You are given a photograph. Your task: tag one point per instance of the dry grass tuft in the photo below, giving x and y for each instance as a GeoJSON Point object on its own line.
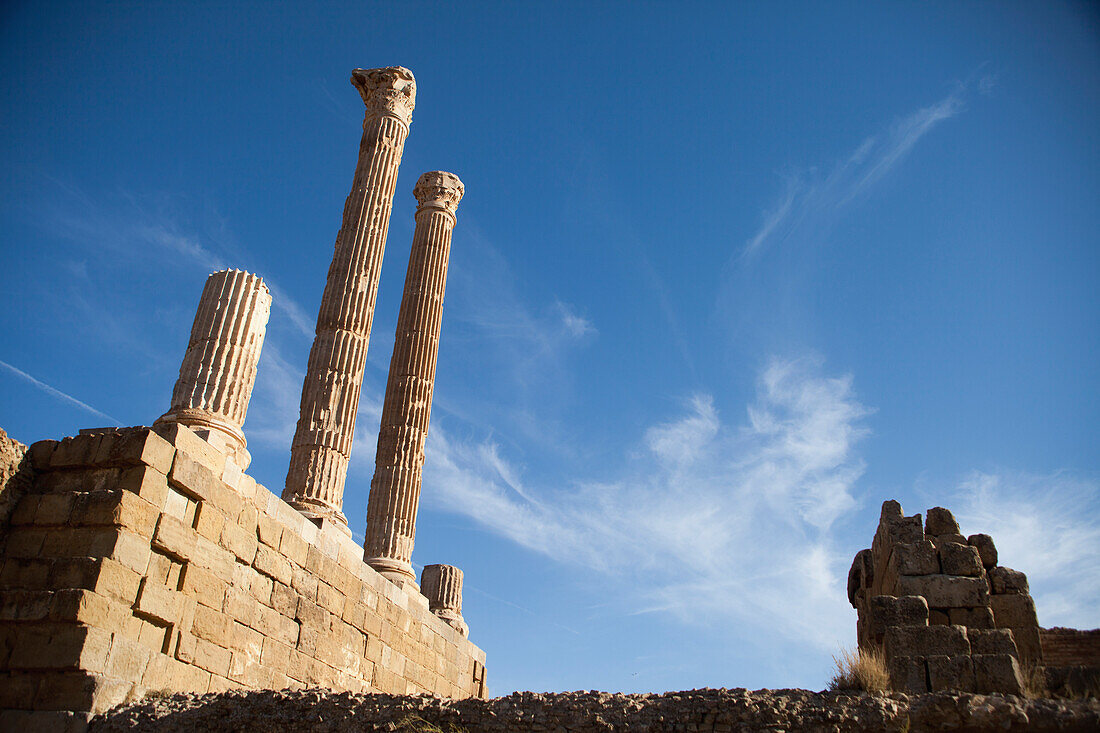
{"type": "Point", "coordinates": [860, 669]}
{"type": "Point", "coordinates": [416, 724]}
{"type": "Point", "coordinates": [1034, 679]}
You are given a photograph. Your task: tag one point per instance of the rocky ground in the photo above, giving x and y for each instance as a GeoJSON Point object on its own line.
{"type": "Point", "coordinates": [319, 711]}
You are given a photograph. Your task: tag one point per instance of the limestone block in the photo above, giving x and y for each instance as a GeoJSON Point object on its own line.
{"type": "Point", "coordinates": [944, 539]}
{"type": "Point", "coordinates": [268, 531]}
{"type": "Point", "coordinates": [991, 641]}
{"type": "Point", "coordinates": [82, 691]}
{"type": "Point", "coordinates": [61, 646]}
{"type": "Point", "coordinates": [293, 547]}
{"type": "Point", "coordinates": [1011, 611]}
{"type": "Point", "coordinates": [54, 509]}
{"type": "Point", "coordinates": [917, 558]}
{"type": "Point", "coordinates": [945, 591]}
{"type": "Point", "coordinates": [240, 542]}
{"type": "Point", "coordinates": [40, 454]}
{"type": "Point", "coordinates": [25, 511]}
{"type": "Point", "coordinates": [214, 558]}
{"type": "Point", "coordinates": [284, 599]}
{"type": "Point", "coordinates": [174, 538]}
{"type": "Point", "coordinates": [187, 442]}
{"type": "Point", "coordinates": [158, 602]}
{"type": "Point", "coordinates": [940, 521]}
{"type": "Point", "coordinates": [209, 521]}
{"type": "Point", "coordinates": [202, 585]}
{"type": "Point", "coordinates": [860, 575]}
{"type": "Point", "coordinates": [201, 482]}
{"type": "Point", "coordinates": [271, 563]}
{"type": "Point", "coordinates": [25, 605]}
{"type": "Point", "coordinates": [26, 543]}
{"type": "Point", "coordinates": [972, 618]}
{"type": "Point", "coordinates": [1007, 581]}
{"type": "Point", "coordinates": [128, 659]}
{"type": "Point", "coordinates": [925, 641]}
{"type": "Point", "coordinates": [997, 673]}
{"type": "Point", "coordinates": [986, 549]}
{"type": "Point", "coordinates": [950, 673]}
{"type": "Point", "coordinates": [1029, 643]}
{"type": "Point", "coordinates": [241, 606]}
{"type": "Point", "coordinates": [211, 657]}
{"type": "Point", "coordinates": [76, 452]}
{"type": "Point", "coordinates": [131, 446]}
{"type": "Point", "coordinates": [113, 579]}
{"type": "Point", "coordinates": [959, 559]}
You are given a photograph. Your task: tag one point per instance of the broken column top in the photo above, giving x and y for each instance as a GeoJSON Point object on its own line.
{"type": "Point", "coordinates": [390, 91]}
{"type": "Point", "coordinates": [439, 190]}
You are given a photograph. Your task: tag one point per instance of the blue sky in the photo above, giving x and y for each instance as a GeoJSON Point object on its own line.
{"type": "Point", "coordinates": [726, 276]}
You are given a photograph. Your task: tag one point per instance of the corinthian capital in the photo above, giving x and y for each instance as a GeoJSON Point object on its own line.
{"type": "Point", "coordinates": [439, 190]}
{"type": "Point", "coordinates": [387, 91]}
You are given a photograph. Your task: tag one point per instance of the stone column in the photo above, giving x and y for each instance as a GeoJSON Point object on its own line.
{"type": "Point", "coordinates": [442, 586]}
{"type": "Point", "coordinates": [219, 369]}
{"type": "Point", "coordinates": [395, 489]}
{"type": "Point", "coordinates": [334, 375]}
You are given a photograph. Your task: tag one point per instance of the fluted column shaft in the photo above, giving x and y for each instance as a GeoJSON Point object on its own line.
{"type": "Point", "coordinates": [406, 411]}
{"type": "Point", "coordinates": [334, 374]}
{"type": "Point", "coordinates": [442, 586]}
{"type": "Point", "coordinates": [219, 368]}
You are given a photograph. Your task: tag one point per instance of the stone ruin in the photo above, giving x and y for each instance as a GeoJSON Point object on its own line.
{"type": "Point", "coordinates": [142, 559]}
{"type": "Point", "coordinates": [946, 616]}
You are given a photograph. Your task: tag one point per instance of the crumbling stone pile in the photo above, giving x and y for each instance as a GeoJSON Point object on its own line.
{"type": "Point", "coordinates": [702, 711]}
{"type": "Point", "coordinates": [944, 613]}
{"type": "Point", "coordinates": [15, 474]}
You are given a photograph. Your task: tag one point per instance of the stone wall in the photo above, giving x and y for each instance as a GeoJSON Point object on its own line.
{"type": "Point", "coordinates": [1071, 647]}
{"type": "Point", "coordinates": [15, 475]}
{"type": "Point", "coordinates": [945, 615]}
{"type": "Point", "coordinates": [143, 560]}
{"type": "Point", "coordinates": [701, 711]}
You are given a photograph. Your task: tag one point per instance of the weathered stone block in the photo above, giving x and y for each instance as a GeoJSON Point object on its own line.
{"type": "Point", "coordinates": [1011, 611]}
{"type": "Point", "coordinates": [271, 563]}
{"type": "Point", "coordinates": [1029, 643]}
{"type": "Point", "coordinates": [940, 521]}
{"type": "Point", "coordinates": [61, 646]}
{"type": "Point", "coordinates": [127, 659]}
{"type": "Point", "coordinates": [25, 511]}
{"type": "Point", "coordinates": [212, 625]}
{"type": "Point", "coordinates": [886, 611]}
{"type": "Point", "coordinates": [293, 547]}
{"type": "Point", "coordinates": [986, 549]}
{"type": "Point", "coordinates": [136, 445]}
{"type": "Point", "coordinates": [40, 454]}
{"type": "Point", "coordinates": [205, 587]}
{"type": "Point", "coordinates": [997, 673]}
{"type": "Point", "coordinates": [945, 591]}
{"type": "Point", "coordinates": [1006, 581]}
{"type": "Point", "coordinates": [26, 542]}
{"type": "Point", "coordinates": [945, 539]}
{"type": "Point", "coordinates": [211, 657]}
{"type": "Point", "coordinates": [209, 521]}
{"type": "Point", "coordinates": [158, 602]}
{"type": "Point", "coordinates": [950, 673]}
{"type": "Point", "coordinates": [54, 509]}
{"type": "Point", "coordinates": [916, 558]}
{"type": "Point", "coordinates": [186, 442]}
{"type": "Point", "coordinates": [284, 599]}
{"type": "Point", "coordinates": [925, 641]}
{"type": "Point", "coordinates": [240, 541]}
{"type": "Point", "coordinates": [972, 618]}
{"type": "Point", "coordinates": [115, 580]}
{"type": "Point", "coordinates": [956, 559]}
{"type": "Point", "coordinates": [76, 452]}
{"type": "Point", "coordinates": [991, 641]}
{"type": "Point", "coordinates": [174, 538]}
{"type": "Point", "coordinates": [194, 477]}
{"type": "Point", "coordinates": [268, 531]}
{"type": "Point", "coordinates": [25, 605]}
{"type": "Point", "coordinates": [92, 692]}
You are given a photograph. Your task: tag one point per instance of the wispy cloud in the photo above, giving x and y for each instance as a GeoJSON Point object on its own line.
{"type": "Point", "coordinates": [56, 393]}
{"type": "Point", "coordinates": [709, 520]}
{"type": "Point", "coordinates": [576, 325]}
{"type": "Point", "coordinates": [1047, 526]}
{"type": "Point", "coordinates": [809, 202]}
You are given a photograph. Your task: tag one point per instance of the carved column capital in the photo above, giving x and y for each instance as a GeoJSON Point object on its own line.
{"type": "Point", "coordinates": [439, 190]}
{"type": "Point", "coordinates": [389, 91]}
